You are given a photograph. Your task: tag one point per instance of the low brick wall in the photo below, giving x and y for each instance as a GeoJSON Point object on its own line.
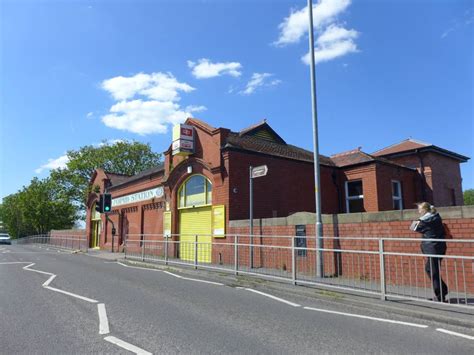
{"type": "Point", "coordinates": [400, 270]}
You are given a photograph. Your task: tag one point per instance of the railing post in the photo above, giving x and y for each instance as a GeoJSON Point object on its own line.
{"type": "Point", "coordinates": [143, 248]}
{"type": "Point", "coordinates": [293, 261]}
{"type": "Point", "coordinates": [236, 255]}
{"type": "Point", "coordinates": [383, 287]}
{"type": "Point", "coordinates": [166, 249]}
{"type": "Point", "coordinates": [195, 251]}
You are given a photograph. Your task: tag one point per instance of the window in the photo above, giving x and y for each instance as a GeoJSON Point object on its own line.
{"type": "Point", "coordinates": [196, 191]}
{"type": "Point", "coordinates": [397, 195]}
{"type": "Point", "coordinates": [354, 196]}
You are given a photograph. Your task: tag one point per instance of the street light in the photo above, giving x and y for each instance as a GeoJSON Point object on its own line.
{"type": "Point", "coordinates": [317, 178]}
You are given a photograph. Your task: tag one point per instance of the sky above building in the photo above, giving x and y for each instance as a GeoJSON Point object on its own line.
{"type": "Point", "coordinates": [75, 73]}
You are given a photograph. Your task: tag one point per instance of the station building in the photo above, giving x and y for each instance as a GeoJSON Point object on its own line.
{"type": "Point", "coordinates": [203, 184]}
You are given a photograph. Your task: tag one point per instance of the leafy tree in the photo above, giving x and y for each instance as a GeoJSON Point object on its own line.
{"type": "Point", "coordinates": [123, 157]}
{"type": "Point", "coordinates": [36, 209]}
{"type": "Point", "coordinates": [469, 197]}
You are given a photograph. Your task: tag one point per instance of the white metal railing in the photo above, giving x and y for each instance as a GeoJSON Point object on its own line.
{"type": "Point", "coordinates": [388, 267]}
{"type": "Point", "coordinates": [58, 241]}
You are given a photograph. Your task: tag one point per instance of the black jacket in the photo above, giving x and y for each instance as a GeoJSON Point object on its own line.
{"type": "Point", "coordinates": [431, 226]}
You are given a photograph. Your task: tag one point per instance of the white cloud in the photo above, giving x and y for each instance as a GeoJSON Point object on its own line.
{"type": "Point", "coordinates": [144, 117]}
{"type": "Point", "coordinates": [205, 69]}
{"type": "Point", "coordinates": [259, 80]}
{"type": "Point", "coordinates": [295, 26]}
{"type": "Point", "coordinates": [147, 103]}
{"type": "Point", "coordinates": [53, 164]}
{"type": "Point", "coordinates": [334, 42]}
{"type": "Point", "coordinates": [90, 114]}
{"type": "Point", "coordinates": [157, 86]}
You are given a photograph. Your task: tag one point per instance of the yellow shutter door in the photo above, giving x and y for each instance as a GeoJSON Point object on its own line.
{"type": "Point", "coordinates": [192, 222]}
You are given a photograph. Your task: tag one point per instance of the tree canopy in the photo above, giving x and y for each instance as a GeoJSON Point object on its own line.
{"type": "Point", "coordinates": [58, 201]}
{"type": "Point", "coordinates": [469, 197]}
{"type": "Point", "coordinates": [36, 209]}
{"type": "Point", "coordinates": [123, 157]}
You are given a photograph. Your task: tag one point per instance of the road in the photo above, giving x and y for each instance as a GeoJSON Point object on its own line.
{"type": "Point", "coordinates": [59, 302]}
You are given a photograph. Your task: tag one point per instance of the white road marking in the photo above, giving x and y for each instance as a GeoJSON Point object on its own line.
{"type": "Point", "coordinates": [137, 267]}
{"type": "Point", "coordinates": [45, 285]}
{"type": "Point", "coordinates": [72, 294]}
{"type": "Point", "coordinates": [14, 262]}
{"type": "Point", "coordinates": [49, 280]}
{"type": "Point", "coordinates": [454, 333]}
{"type": "Point", "coordinates": [367, 317]}
{"type": "Point", "coordinates": [127, 346]}
{"type": "Point", "coordinates": [274, 297]}
{"type": "Point", "coordinates": [103, 321]}
{"type": "Point", "coordinates": [172, 274]}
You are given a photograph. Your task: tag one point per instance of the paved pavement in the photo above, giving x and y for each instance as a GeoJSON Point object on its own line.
{"type": "Point", "coordinates": [74, 303]}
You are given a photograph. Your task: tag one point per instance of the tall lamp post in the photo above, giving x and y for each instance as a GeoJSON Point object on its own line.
{"type": "Point", "coordinates": [317, 178]}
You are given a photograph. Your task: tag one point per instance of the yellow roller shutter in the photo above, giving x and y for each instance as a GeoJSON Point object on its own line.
{"type": "Point", "coordinates": [192, 222]}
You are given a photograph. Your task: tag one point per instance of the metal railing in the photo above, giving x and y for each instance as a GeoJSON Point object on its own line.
{"type": "Point", "coordinates": [387, 267]}
{"type": "Point", "coordinates": [57, 241]}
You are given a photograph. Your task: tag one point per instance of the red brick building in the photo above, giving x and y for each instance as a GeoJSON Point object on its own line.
{"type": "Point", "coordinates": [204, 183]}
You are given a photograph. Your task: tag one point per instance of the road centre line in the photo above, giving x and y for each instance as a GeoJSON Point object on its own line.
{"type": "Point", "coordinates": [49, 281]}
{"type": "Point", "coordinates": [90, 300]}
{"type": "Point", "coordinates": [273, 297]}
{"type": "Point", "coordinates": [45, 285]}
{"type": "Point", "coordinates": [127, 346]}
{"type": "Point", "coordinates": [103, 321]}
{"type": "Point", "coordinates": [367, 317]}
{"type": "Point", "coordinates": [455, 333]}
{"type": "Point", "coordinates": [14, 262]}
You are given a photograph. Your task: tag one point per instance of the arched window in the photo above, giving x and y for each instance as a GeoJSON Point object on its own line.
{"type": "Point", "coordinates": [195, 191]}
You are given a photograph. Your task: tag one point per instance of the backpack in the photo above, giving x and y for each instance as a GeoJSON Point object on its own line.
{"type": "Point", "coordinates": [447, 232]}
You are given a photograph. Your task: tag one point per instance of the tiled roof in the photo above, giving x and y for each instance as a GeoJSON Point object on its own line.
{"type": "Point", "coordinates": [143, 174]}
{"type": "Point", "coordinates": [357, 156]}
{"type": "Point", "coordinates": [408, 144]}
{"type": "Point", "coordinates": [254, 144]}
{"type": "Point", "coordinates": [116, 178]}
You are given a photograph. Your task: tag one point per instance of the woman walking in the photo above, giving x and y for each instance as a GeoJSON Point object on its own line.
{"type": "Point", "coordinates": [431, 226]}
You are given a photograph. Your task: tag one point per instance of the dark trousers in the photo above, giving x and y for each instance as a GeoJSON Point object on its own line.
{"type": "Point", "coordinates": [432, 268]}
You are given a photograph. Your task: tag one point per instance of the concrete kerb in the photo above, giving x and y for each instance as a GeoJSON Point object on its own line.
{"type": "Point", "coordinates": [430, 312]}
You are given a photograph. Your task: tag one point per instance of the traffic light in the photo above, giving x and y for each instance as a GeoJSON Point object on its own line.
{"type": "Point", "coordinates": [99, 204]}
{"type": "Point", "coordinates": [106, 203]}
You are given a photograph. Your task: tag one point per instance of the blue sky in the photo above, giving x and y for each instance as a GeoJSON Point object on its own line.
{"type": "Point", "coordinates": [78, 72]}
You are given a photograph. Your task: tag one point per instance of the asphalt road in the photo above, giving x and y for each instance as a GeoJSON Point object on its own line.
{"type": "Point", "coordinates": [159, 312]}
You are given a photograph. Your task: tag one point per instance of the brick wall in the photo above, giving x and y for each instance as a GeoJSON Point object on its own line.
{"type": "Point", "coordinates": [339, 229]}
{"type": "Point", "coordinates": [443, 182]}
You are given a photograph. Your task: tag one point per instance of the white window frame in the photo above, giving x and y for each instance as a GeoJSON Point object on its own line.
{"type": "Point", "coordinates": [350, 198]}
{"type": "Point", "coordinates": [397, 198]}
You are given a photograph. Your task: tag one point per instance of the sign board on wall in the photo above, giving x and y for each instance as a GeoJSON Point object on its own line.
{"type": "Point", "coordinates": [218, 221]}
{"type": "Point", "coordinates": [183, 139]}
{"type": "Point", "coordinates": [157, 192]}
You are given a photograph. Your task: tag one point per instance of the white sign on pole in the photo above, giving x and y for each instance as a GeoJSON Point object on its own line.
{"type": "Point", "coordinates": [259, 171]}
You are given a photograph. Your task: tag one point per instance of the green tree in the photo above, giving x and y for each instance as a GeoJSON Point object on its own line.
{"type": "Point", "coordinates": [36, 209]}
{"type": "Point", "coordinates": [123, 157]}
{"type": "Point", "coordinates": [469, 197]}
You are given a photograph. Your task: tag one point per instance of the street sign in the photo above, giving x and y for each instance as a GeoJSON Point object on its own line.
{"type": "Point", "coordinates": [259, 171]}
